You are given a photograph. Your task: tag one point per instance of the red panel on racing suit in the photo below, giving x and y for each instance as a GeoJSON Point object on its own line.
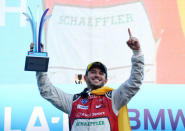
{"type": "Point", "coordinates": [93, 113]}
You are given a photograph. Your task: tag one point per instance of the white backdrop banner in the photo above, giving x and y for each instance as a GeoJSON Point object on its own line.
{"type": "Point", "coordinates": [77, 36]}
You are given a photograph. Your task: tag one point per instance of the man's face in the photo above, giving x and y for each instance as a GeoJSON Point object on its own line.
{"type": "Point", "coordinates": [95, 78]}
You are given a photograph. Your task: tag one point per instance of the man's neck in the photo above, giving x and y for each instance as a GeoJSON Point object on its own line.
{"type": "Point", "coordinates": [93, 88]}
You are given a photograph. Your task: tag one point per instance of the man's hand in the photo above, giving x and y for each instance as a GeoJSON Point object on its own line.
{"type": "Point", "coordinates": [133, 42]}
{"type": "Point", "coordinates": [32, 46]}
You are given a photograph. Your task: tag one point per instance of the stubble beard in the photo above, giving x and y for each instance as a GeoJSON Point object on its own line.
{"type": "Point", "coordinates": [93, 86]}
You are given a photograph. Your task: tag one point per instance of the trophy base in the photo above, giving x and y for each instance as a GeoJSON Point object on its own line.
{"type": "Point", "coordinates": [36, 63]}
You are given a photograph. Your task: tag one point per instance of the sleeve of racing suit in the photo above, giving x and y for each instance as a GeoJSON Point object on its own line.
{"type": "Point", "coordinates": [128, 89]}
{"type": "Point", "coordinates": [57, 97]}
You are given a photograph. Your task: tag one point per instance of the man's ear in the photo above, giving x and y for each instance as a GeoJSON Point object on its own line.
{"type": "Point", "coordinates": [106, 81]}
{"type": "Point", "coordinates": [85, 78]}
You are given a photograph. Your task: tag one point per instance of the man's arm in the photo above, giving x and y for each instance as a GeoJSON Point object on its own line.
{"type": "Point", "coordinates": [128, 89]}
{"type": "Point", "coordinates": [57, 97]}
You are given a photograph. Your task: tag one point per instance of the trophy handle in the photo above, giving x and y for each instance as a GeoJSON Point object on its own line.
{"type": "Point", "coordinates": [34, 30]}
{"type": "Point", "coordinates": [40, 28]}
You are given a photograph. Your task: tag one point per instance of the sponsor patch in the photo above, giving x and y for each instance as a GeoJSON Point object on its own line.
{"type": "Point", "coordinates": [102, 99]}
{"type": "Point", "coordinates": [95, 123]}
{"type": "Point", "coordinates": [82, 107]}
{"type": "Point", "coordinates": [84, 101]}
{"type": "Point", "coordinates": [98, 106]}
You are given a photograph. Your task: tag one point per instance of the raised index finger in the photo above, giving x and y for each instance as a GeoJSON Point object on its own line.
{"type": "Point", "coordinates": [129, 32]}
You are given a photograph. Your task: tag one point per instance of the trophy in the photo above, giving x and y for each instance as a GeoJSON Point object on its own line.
{"type": "Point", "coordinates": [37, 60]}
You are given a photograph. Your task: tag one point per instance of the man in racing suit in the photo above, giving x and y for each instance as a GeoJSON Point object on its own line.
{"type": "Point", "coordinates": [97, 107]}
